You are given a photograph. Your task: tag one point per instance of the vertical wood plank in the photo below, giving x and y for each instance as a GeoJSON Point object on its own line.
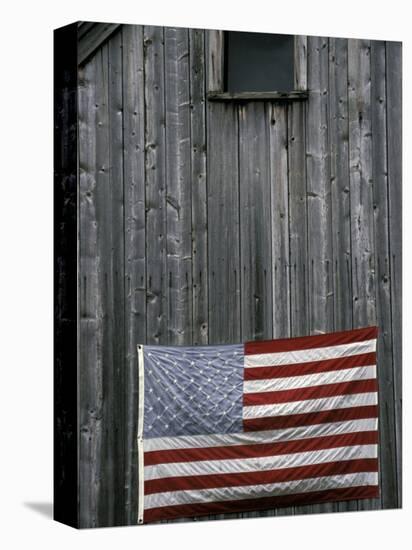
{"type": "Point", "coordinates": [199, 185]}
{"type": "Point", "coordinates": [340, 197]}
{"type": "Point", "coordinates": [178, 187]}
{"type": "Point", "coordinates": [318, 197]}
{"type": "Point", "coordinates": [215, 60]}
{"type": "Point", "coordinates": [298, 220]}
{"type": "Point", "coordinates": [383, 298]}
{"type": "Point", "coordinates": [280, 221]}
{"type": "Point", "coordinates": [300, 60]}
{"type": "Point", "coordinates": [135, 244]}
{"type": "Point", "coordinates": [318, 189]}
{"type": "Point", "coordinates": [255, 222]}
{"type": "Point", "coordinates": [90, 334]}
{"type": "Point", "coordinates": [394, 144]}
{"type": "Point", "coordinates": [155, 169]}
{"type": "Point", "coordinates": [223, 224]}
{"type": "Point", "coordinates": [361, 191]}
{"type": "Point", "coordinates": [102, 295]}
{"type": "Point", "coordinates": [112, 511]}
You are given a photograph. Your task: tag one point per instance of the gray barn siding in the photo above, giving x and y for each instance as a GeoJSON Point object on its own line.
{"type": "Point", "coordinates": [211, 222]}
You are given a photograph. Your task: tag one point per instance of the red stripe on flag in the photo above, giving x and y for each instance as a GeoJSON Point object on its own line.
{"type": "Point", "coordinates": [187, 483]}
{"type": "Point", "coordinates": [152, 458]}
{"type": "Point", "coordinates": [308, 419]}
{"type": "Point", "coordinates": [314, 367]}
{"type": "Point", "coordinates": [308, 342]}
{"type": "Point", "coordinates": [231, 506]}
{"type": "Point", "coordinates": [311, 392]}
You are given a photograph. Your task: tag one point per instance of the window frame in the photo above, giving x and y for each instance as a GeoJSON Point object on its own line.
{"type": "Point", "coordinates": [216, 72]}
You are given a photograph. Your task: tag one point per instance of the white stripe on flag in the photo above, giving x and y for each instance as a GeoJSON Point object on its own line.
{"type": "Point", "coordinates": [309, 355]}
{"type": "Point", "coordinates": [238, 465]}
{"type": "Point", "coordinates": [267, 436]}
{"type": "Point", "coordinates": [311, 405]}
{"type": "Point", "coordinates": [309, 380]}
{"type": "Point", "coordinates": [259, 491]}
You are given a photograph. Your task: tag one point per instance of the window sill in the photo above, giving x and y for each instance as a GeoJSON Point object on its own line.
{"type": "Point", "coordinates": [296, 95]}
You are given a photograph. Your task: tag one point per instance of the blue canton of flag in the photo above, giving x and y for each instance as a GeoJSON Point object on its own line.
{"type": "Point", "coordinates": [193, 390]}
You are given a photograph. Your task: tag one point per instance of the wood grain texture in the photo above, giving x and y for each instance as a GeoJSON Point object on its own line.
{"type": "Point", "coordinates": [215, 61]}
{"type": "Point", "coordinates": [394, 146]}
{"type": "Point", "coordinates": [339, 178]}
{"type": "Point", "coordinates": [197, 56]}
{"type": "Point", "coordinates": [298, 220]}
{"type": "Point", "coordinates": [135, 243]}
{"type": "Point", "coordinates": [279, 181]}
{"type": "Point", "coordinates": [102, 292]}
{"type": "Point", "coordinates": [155, 181]}
{"type": "Point", "coordinates": [280, 97]}
{"type": "Point", "coordinates": [112, 257]}
{"type": "Point", "coordinates": [255, 222]}
{"type": "Point", "coordinates": [318, 189]}
{"type": "Point", "coordinates": [178, 187]}
{"type": "Point", "coordinates": [300, 69]}
{"type": "Point", "coordinates": [92, 36]}
{"type": "Point", "coordinates": [219, 221]}
{"type": "Point", "coordinates": [90, 339]}
{"type": "Point", "coordinates": [223, 224]}
{"type": "Point", "coordinates": [360, 175]}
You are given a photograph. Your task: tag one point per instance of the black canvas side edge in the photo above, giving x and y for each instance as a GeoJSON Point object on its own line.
{"type": "Point", "coordinates": [66, 509]}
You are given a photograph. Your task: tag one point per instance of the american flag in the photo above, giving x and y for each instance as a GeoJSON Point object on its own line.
{"type": "Point", "coordinates": [234, 428]}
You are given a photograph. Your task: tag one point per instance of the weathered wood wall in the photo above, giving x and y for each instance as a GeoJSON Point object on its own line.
{"type": "Point", "coordinates": [213, 222]}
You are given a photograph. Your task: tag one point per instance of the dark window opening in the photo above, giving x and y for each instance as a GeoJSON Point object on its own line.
{"type": "Point", "coordinates": [258, 62]}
